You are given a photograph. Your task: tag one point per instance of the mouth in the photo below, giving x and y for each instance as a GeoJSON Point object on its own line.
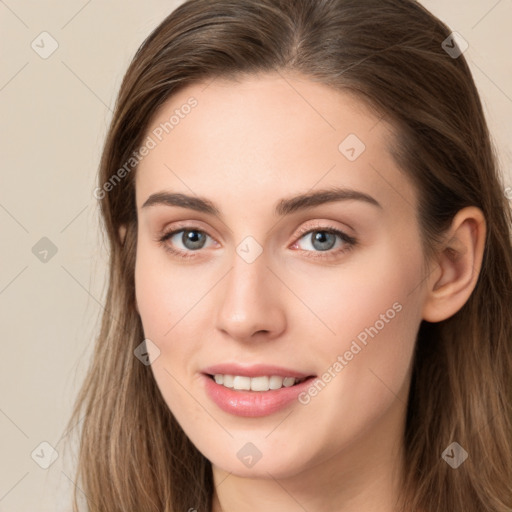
{"type": "Point", "coordinates": [256, 395]}
{"type": "Point", "coordinates": [259, 383]}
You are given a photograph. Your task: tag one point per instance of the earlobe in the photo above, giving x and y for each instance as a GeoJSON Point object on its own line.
{"type": "Point", "coordinates": [459, 263]}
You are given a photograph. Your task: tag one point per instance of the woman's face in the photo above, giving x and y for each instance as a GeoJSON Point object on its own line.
{"type": "Point", "coordinates": [248, 269]}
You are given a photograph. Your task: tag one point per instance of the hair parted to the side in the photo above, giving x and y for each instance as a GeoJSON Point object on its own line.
{"type": "Point", "coordinates": [133, 455]}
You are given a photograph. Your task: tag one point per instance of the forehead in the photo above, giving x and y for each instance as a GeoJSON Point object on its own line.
{"type": "Point", "coordinates": [266, 136]}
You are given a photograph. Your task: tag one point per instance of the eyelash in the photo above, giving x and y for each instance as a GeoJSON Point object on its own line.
{"type": "Point", "coordinates": [350, 242]}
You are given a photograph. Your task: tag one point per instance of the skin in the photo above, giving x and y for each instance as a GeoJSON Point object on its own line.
{"type": "Point", "coordinates": [246, 146]}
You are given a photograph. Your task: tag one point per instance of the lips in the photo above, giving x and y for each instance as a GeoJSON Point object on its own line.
{"type": "Point", "coordinates": [251, 403]}
{"type": "Point", "coordinates": [257, 370]}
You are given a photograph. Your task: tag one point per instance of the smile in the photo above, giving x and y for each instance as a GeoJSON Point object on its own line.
{"type": "Point", "coordinates": [259, 383]}
{"type": "Point", "coordinates": [240, 395]}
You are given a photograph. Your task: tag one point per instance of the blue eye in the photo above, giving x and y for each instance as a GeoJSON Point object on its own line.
{"type": "Point", "coordinates": [322, 239]}
{"type": "Point", "coordinates": [192, 239]}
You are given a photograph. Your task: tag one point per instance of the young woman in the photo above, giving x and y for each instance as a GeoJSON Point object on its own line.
{"type": "Point", "coordinates": [310, 270]}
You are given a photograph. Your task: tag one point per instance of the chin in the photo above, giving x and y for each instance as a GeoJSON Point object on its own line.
{"type": "Point", "coordinates": [268, 462]}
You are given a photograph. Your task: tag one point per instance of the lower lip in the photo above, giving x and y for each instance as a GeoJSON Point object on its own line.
{"type": "Point", "coordinates": [253, 403]}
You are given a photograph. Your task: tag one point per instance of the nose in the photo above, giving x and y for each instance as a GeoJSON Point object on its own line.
{"type": "Point", "coordinates": [251, 304]}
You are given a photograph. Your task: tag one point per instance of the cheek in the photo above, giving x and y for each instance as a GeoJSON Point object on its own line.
{"type": "Point", "coordinates": [166, 315]}
{"type": "Point", "coordinates": [373, 314]}
{"type": "Point", "coordinates": [374, 290]}
{"type": "Point", "coordinates": [172, 305]}
{"type": "Point", "coordinates": [166, 295]}
{"type": "Point", "coordinates": [375, 317]}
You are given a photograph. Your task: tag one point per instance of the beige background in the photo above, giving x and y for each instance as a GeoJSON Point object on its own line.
{"type": "Point", "coordinates": [55, 112]}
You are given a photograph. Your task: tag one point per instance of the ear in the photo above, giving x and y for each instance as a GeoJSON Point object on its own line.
{"type": "Point", "coordinates": [459, 263]}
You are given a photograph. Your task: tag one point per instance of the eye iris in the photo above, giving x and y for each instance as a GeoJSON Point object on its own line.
{"type": "Point", "coordinates": [195, 238]}
{"type": "Point", "coordinates": [320, 236]}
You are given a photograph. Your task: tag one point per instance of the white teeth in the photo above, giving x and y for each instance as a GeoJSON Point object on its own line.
{"type": "Point", "coordinates": [227, 380]}
{"type": "Point", "coordinates": [288, 381]}
{"type": "Point", "coordinates": [262, 383]}
{"type": "Point", "coordinates": [259, 384]}
{"type": "Point", "coordinates": [242, 383]}
{"type": "Point", "coordinates": [276, 382]}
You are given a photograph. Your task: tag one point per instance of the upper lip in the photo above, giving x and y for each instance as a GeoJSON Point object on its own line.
{"type": "Point", "coordinates": [254, 370]}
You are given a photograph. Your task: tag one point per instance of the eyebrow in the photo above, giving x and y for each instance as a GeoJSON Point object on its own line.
{"type": "Point", "coordinates": [283, 207]}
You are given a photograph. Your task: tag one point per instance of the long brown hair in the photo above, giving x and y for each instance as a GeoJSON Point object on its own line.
{"type": "Point", "coordinates": [133, 455]}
